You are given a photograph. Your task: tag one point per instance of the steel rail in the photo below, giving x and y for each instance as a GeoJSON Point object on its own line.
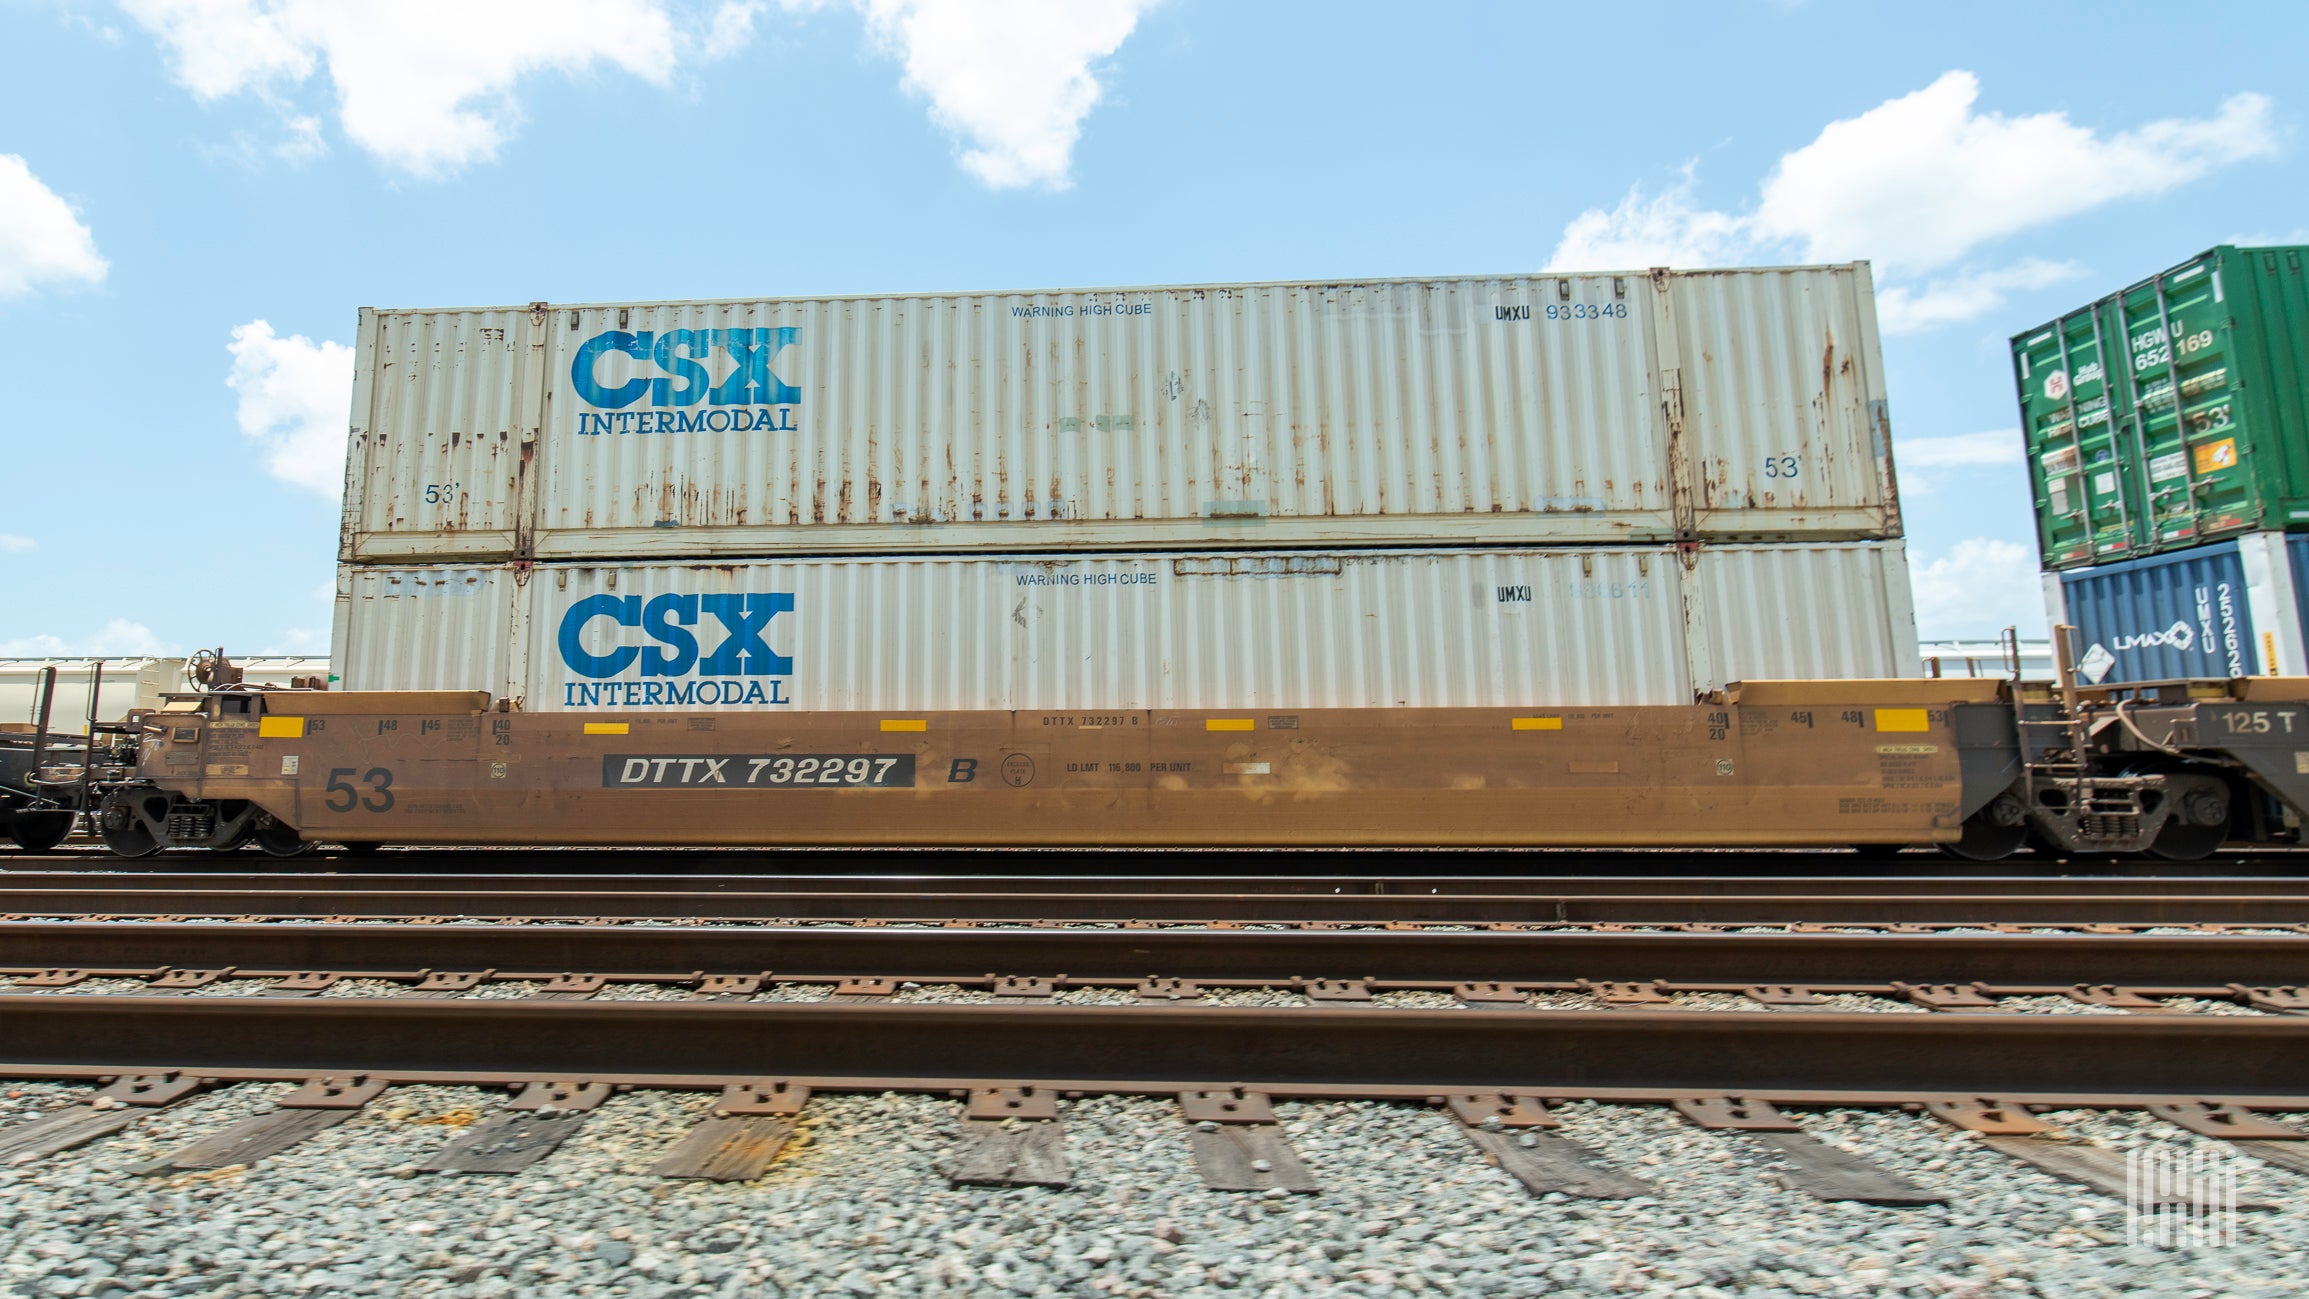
{"type": "Point", "coordinates": [1148, 1048]}
{"type": "Point", "coordinates": [1126, 954]}
{"type": "Point", "coordinates": [935, 906]}
{"type": "Point", "coordinates": [304, 878]}
{"type": "Point", "coordinates": [1318, 865]}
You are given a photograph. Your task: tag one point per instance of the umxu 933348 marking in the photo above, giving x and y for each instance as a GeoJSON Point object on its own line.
{"type": "Point", "coordinates": [758, 771]}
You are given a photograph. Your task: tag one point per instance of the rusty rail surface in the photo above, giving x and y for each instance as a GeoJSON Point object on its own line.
{"type": "Point", "coordinates": [1190, 900]}
{"type": "Point", "coordinates": [937, 907]}
{"type": "Point", "coordinates": [362, 875]}
{"type": "Point", "coordinates": [1425, 956]}
{"type": "Point", "coordinates": [1313, 866]}
{"type": "Point", "coordinates": [1150, 1049]}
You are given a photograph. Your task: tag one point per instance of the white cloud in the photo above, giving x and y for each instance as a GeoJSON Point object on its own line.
{"type": "Point", "coordinates": [295, 398]}
{"type": "Point", "coordinates": [119, 638]}
{"type": "Point", "coordinates": [731, 26]}
{"type": "Point", "coordinates": [1920, 181]}
{"type": "Point", "coordinates": [11, 544]}
{"type": "Point", "coordinates": [304, 140]}
{"type": "Point", "coordinates": [1901, 309]}
{"type": "Point", "coordinates": [1980, 587]}
{"type": "Point", "coordinates": [1668, 229]}
{"type": "Point", "coordinates": [1994, 447]}
{"type": "Point", "coordinates": [1917, 185]}
{"type": "Point", "coordinates": [1012, 79]}
{"type": "Point", "coordinates": [1920, 459]}
{"type": "Point", "coordinates": [302, 640]}
{"type": "Point", "coordinates": [2264, 239]}
{"type": "Point", "coordinates": [42, 240]}
{"type": "Point", "coordinates": [427, 85]}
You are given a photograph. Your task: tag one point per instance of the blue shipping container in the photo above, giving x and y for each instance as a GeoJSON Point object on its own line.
{"type": "Point", "coordinates": [2228, 609]}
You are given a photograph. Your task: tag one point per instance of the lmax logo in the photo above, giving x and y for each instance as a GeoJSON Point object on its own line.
{"type": "Point", "coordinates": [687, 360]}
{"type": "Point", "coordinates": [672, 649]}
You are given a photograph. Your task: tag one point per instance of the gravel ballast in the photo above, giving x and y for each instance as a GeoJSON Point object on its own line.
{"type": "Point", "coordinates": [859, 1205]}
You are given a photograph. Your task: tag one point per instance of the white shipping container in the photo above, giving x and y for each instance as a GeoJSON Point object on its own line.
{"type": "Point", "coordinates": [1533, 409]}
{"type": "Point", "coordinates": [1307, 629]}
{"type": "Point", "coordinates": [122, 684]}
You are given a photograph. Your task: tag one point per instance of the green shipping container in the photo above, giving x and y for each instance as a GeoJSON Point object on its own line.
{"type": "Point", "coordinates": [2173, 413]}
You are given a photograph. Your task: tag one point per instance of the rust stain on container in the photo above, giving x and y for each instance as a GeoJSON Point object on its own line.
{"type": "Point", "coordinates": [1380, 411]}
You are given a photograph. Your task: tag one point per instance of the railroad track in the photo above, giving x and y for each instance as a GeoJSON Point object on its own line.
{"type": "Point", "coordinates": [1225, 993]}
{"type": "Point", "coordinates": [1315, 865]}
{"type": "Point", "coordinates": [1287, 900]}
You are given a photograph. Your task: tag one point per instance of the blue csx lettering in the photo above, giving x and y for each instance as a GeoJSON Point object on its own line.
{"type": "Point", "coordinates": [666, 619]}
{"type": "Point", "coordinates": [685, 356]}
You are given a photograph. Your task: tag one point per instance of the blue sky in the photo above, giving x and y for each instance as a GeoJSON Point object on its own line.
{"type": "Point", "coordinates": [195, 199]}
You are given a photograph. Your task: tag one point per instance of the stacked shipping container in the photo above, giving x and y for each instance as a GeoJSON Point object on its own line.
{"type": "Point", "coordinates": [1587, 488]}
{"type": "Point", "coordinates": [2168, 438]}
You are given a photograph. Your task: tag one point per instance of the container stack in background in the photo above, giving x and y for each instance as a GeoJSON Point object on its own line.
{"type": "Point", "coordinates": [2168, 444]}
{"type": "Point", "coordinates": [1570, 489]}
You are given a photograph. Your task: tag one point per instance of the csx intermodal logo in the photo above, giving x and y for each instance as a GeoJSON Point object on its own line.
{"type": "Point", "coordinates": [677, 369]}
{"type": "Point", "coordinates": [724, 660]}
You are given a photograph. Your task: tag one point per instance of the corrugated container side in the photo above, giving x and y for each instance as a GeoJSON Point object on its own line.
{"type": "Point", "coordinates": [447, 411]}
{"type": "Point", "coordinates": [352, 524]}
{"type": "Point", "coordinates": [2173, 412]}
{"type": "Point", "coordinates": [1206, 630]}
{"type": "Point", "coordinates": [2273, 369]}
{"type": "Point", "coordinates": [1789, 387]}
{"type": "Point", "coordinates": [426, 628]}
{"type": "Point", "coordinates": [1503, 410]}
{"type": "Point", "coordinates": [2165, 617]}
{"type": "Point", "coordinates": [1809, 611]}
{"type": "Point", "coordinates": [2297, 568]}
{"type": "Point", "coordinates": [1180, 416]}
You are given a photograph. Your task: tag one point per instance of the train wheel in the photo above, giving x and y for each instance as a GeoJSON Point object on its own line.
{"type": "Point", "coordinates": [2178, 842]}
{"type": "Point", "coordinates": [280, 840]}
{"type": "Point", "coordinates": [39, 831]}
{"type": "Point", "coordinates": [1993, 833]}
{"type": "Point", "coordinates": [1985, 842]}
{"type": "Point", "coordinates": [124, 831]}
{"type": "Point", "coordinates": [2199, 825]}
